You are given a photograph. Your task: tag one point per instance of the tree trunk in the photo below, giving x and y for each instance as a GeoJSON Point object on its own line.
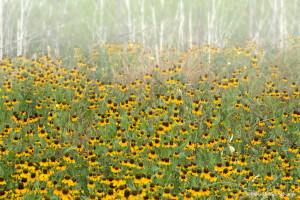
{"type": "Point", "coordinates": [155, 32]}
{"type": "Point", "coordinates": [1, 31]}
{"type": "Point", "coordinates": [252, 11]}
{"type": "Point", "coordinates": [190, 28]}
{"type": "Point", "coordinates": [101, 21]}
{"type": "Point", "coordinates": [181, 23]}
{"type": "Point", "coordinates": [20, 29]}
{"type": "Point", "coordinates": [129, 24]}
{"type": "Point", "coordinates": [143, 21]}
{"type": "Point", "coordinates": [282, 24]}
{"type": "Point", "coordinates": [161, 33]}
{"type": "Point", "coordinates": [275, 22]}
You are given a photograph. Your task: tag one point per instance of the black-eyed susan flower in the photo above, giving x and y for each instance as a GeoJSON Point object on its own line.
{"type": "Point", "coordinates": [3, 194]}
{"type": "Point", "coordinates": [93, 161]}
{"type": "Point", "coordinates": [212, 177]}
{"type": "Point", "coordinates": [205, 135]}
{"type": "Point", "coordinates": [183, 178]}
{"type": "Point", "coordinates": [65, 194]}
{"type": "Point", "coordinates": [91, 184]}
{"type": "Point", "coordinates": [2, 181]}
{"type": "Point", "coordinates": [287, 176]}
{"type": "Point", "coordinates": [260, 132]}
{"type": "Point", "coordinates": [123, 142]}
{"type": "Point", "coordinates": [67, 180]}
{"type": "Point", "coordinates": [44, 176]}
{"type": "Point", "coordinates": [268, 177]}
{"type": "Point", "coordinates": [44, 162]}
{"type": "Point", "coordinates": [256, 141]}
{"type": "Point", "coordinates": [218, 167]}
{"type": "Point", "coordinates": [159, 174]}
{"type": "Point", "coordinates": [61, 167]}
{"type": "Point", "coordinates": [74, 118]}
{"type": "Point", "coordinates": [21, 189]}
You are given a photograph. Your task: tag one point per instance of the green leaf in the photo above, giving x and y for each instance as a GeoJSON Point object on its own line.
{"type": "Point", "coordinates": [254, 150]}
{"type": "Point", "coordinates": [70, 149]}
{"type": "Point", "coordinates": [80, 128]}
{"type": "Point", "coordinates": [10, 147]}
{"type": "Point", "coordinates": [1, 171]}
{"type": "Point", "coordinates": [181, 155]}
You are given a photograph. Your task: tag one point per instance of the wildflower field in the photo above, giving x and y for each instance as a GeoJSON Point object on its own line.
{"type": "Point", "coordinates": [116, 122]}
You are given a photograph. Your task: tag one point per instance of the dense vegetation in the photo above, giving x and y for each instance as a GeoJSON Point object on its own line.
{"type": "Point", "coordinates": [111, 123]}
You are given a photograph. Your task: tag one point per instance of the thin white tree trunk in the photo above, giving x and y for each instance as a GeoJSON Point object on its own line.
{"type": "Point", "coordinates": [181, 23]}
{"type": "Point", "coordinates": [295, 16]}
{"type": "Point", "coordinates": [298, 18]}
{"type": "Point", "coordinates": [101, 21]}
{"type": "Point", "coordinates": [213, 17]}
{"type": "Point", "coordinates": [259, 24]}
{"type": "Point", "coordinates": [129, 24]}
{"type": "Point", "coordinates": [154, 21]}
{"type": "Point", "coordinates": [20, 32]}
{"type": "Point", "coordinates": [155, 31]}
{"type": "Point", "coordinates": [190, 28]}
{"type": "Point", "coordinates": [210, 24]}
{"type": "Point", "coordinates": [252, 6]}
{"type": "Point", "coordinates": [221, 27]}
{"type": "Point", "coordinates": [119, 16]}
{"type": "Point", "coordinates": [133, 26]}
{"type": "Point", "coordinates": [1, 31]}
{"type": "Point", "coordinates": [56, 50]}
{"type": "Point", "coordinates": [22, 26]}
{"type": "Point", "coordinates": [275, 22]}
{"type": "Point", "coordinates": [209, 31]}
{"type": "Point", "coordinates": [8, 32]}
{"type": "Point", "coordinates": [26, 26]}
{"type": "Point", "coordinates": [298, 5]}
{"type": "Point", "coordinates": [143, 21]}
{"type": "Point", "coordinates": [65, 9]}
{"type": "Point", "coordinates": [282, 23]}
{"type": "Point", "coordinates": [96, 27]}
{"type": "Point", "coordinates": [161, 33]}
{"type": "Point", "coordinates": [199, 36]}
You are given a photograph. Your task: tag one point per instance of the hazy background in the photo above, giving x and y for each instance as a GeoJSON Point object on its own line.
{"type": "Point", "coordinates": [28, 26]}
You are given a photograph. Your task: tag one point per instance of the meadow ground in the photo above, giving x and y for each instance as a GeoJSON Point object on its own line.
{"type": "Point", "coordinates": [115, 122]}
